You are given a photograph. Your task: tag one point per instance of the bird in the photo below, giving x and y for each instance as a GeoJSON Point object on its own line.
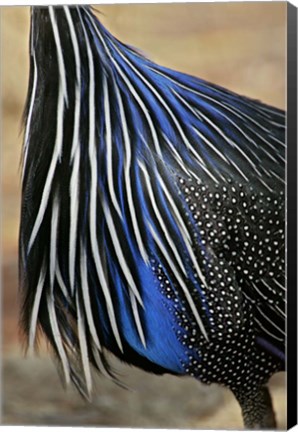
{"type": "Point", "coordinates": [152, 216]}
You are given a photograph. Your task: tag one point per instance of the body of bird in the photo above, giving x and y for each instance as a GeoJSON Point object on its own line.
{"type": "Point", "coordinates": [152, 221]}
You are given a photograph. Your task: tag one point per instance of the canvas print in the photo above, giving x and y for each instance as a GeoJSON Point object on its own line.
{"type": "Point", "coordinates": [144, 178]}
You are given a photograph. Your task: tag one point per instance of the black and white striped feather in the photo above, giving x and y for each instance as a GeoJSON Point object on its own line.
{"type": "Point", "coordinates": [125, 163]}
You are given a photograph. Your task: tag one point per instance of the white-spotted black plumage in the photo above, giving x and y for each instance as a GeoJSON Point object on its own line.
{"type": "Point", "coordinates": [152, 215]}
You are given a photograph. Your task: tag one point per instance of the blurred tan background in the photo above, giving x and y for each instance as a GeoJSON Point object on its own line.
{"type": "Point", "coordinates": [241, 46]}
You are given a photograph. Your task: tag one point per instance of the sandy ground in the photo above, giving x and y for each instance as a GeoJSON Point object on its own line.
{"type": "Point", "coordinates": [33, 394]}
{"type": "Point", "coordinates": [239, 46]}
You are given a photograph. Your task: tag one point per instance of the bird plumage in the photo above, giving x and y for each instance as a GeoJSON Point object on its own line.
{"type": "Point", "coordinates": [152, 213]}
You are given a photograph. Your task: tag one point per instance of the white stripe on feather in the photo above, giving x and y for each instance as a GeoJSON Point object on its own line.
{"type": "Point", "coordinates": [29, 117]}
{"type": "Point", "coordinates": [264, 282]}
{"type": "Point", "coordinates": [280, 311]}
{"type": "Point", "coordinates": [178, 126]}
{"type": "Point", "coordinates": [278, 284]}
{"type": "Point", "coordinates": [231, 142]}
{"type": "Point", "coordinates": [203, 166]}
{"type": "Point", "coordinates": [273, 111]}
{"type": "Point", "coordinates": [74, 212]}
{"type": "Point", "coordinates": [58, 141]}
{"type": "Point", "coordinates": [281, 179]}
{"type": "Point", "coordinates": [53, 241]}
{"type": "Point", "coordinates": [213, 88]}
{"type": "Point", "coordinates": [157, 95]}
{"type": "Point", "coordinates": [182, 134]}
{"type": "Point", "coordinates": [182, 227]}
{"type": "Point", "coordinates": [137, 319]}
{"type": "Point", "coordinates": [186, 238]}
{"type": "Point", "coordinates": [272, 146]}
{"type": "Point", "coordinates": [144, 110]}
{"type": "Point", "coordinates": [83, 345]}
{"type": "Point", "coordinates": [61, 66]}
{"type": "Point", "coordinates": [238, 169]}
{"type": "Point", "coordinates": [170, 112]}
{"type": "Point", "coordinates": [109, 146]}
{"type": "Point", "coordinates": [274, 138]}
{"type": "Point", "coordinates": [119, 253]}
{"type": "Point", "coordinates": [178, 158]}
{"type": "Point", "coordinates": [57, 337]}
{"type": "Point", "coordinates": [259, 291]}
{"type": "Point", "coordinates": [266, 185]}
{"type": "Point", "coordinates": [184, 232]}
{"type": "Point", "coordinates": [35, 309]}
{"type": "Point", "coordinates": [233, 110]}
{"type": "Point", "coordinates": [77, 113]}
{"type": "Point", "coordinates": [278, 124]}
{"type": "Point", "coordinates": [270, 321]}
{"type": "Point", "coordinates": [179, 280]}
{"type": "Point", "coordinates": [197, 113]}
{"type": "Point", "coordinates": [51, 172]}
{"type": "Point", "coordinates": [75, 154]}
{"type": "Point", "coordinates": [127, 169]}
{"type": "Point", "coordinates": [61, 283]}
{"type": "Point", "coordinates": [132, 90]}
{"type": "Point", "coordinates": [86, 297]}
{"type": "Point", "coordinates": [254, 131]}
{"type": "Point", "coordinates": [188, 106]}
{"type": "Point", "coordinates": [181, 163]}
{"type": "Point", "coordinates": [94, 196]}
{"type": "Point", "coordinates": [159, 217]}
{"type": "Point", "coordinates": [267, 331]}
{"type": "Point", "coordinates": [206, 141]}
{"type": "Point", "coordinates": [99, 363]}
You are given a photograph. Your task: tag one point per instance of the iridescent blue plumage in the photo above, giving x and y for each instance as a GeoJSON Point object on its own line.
{"type": "Point", "coordinates": [152, 214]}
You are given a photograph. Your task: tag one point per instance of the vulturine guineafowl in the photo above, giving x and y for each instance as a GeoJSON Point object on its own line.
{"type": "Point", "coordinates": [152, 220]}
